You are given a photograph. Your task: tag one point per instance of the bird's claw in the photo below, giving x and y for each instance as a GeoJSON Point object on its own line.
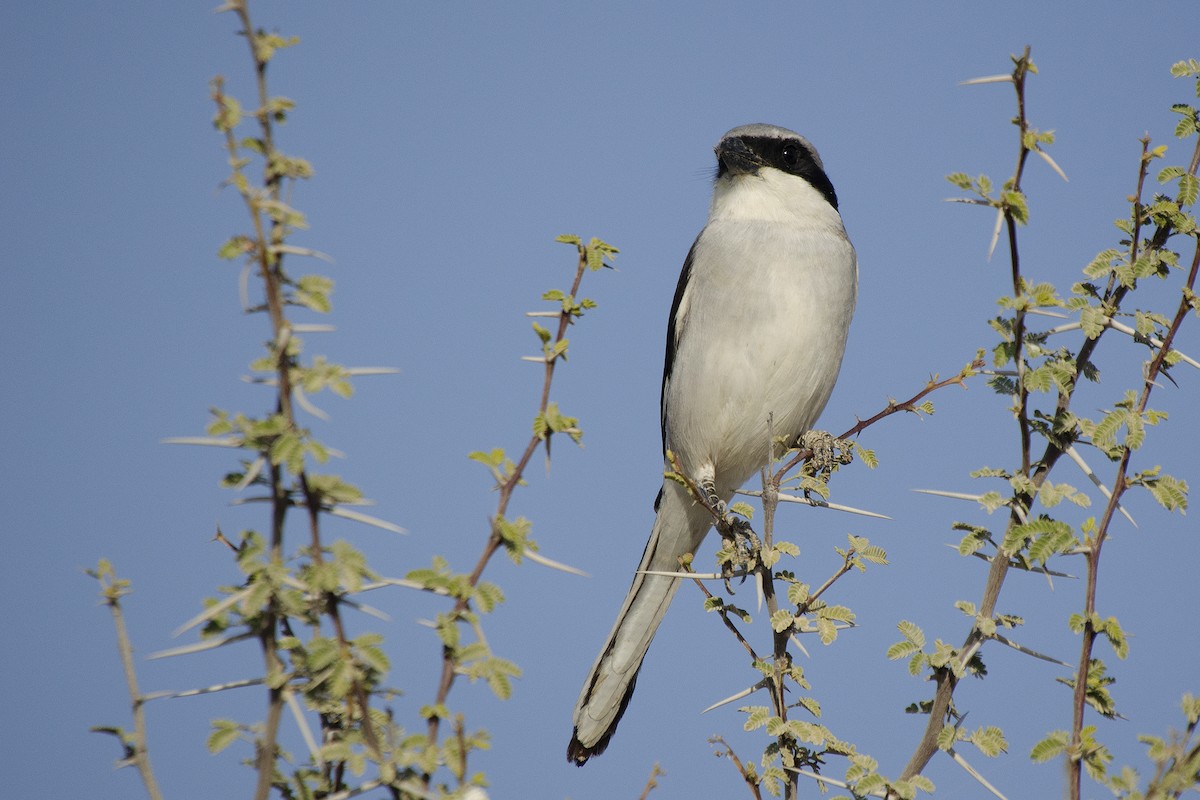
{"type": "Point", "coordinates": [828, 453]}
{"type": "Point", "coordinates": [743, 545]}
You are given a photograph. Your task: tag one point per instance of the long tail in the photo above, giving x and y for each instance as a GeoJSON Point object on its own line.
{"type": "Point", "coordinates": [679, 528]}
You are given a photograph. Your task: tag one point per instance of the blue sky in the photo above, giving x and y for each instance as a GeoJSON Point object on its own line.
{"type": "Point", "coordinates": [452, 142]}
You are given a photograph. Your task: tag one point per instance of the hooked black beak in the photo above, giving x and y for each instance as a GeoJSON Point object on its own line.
{"type": "Point", "coordinates": [735, 158]}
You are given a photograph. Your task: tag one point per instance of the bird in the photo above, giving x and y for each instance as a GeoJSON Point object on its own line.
{"type": "Point", "coordinates": [755, 340]}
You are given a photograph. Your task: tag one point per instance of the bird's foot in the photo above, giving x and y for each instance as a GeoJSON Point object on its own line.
{"type": "Point", "coordinates": [828, 453]}
{"type": "Point", "coordinates": [741, 549]}
{"type": "Point", "coordinates": [708, 488]}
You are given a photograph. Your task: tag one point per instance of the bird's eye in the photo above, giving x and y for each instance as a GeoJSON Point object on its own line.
{"type": "Point", "coordinates": [790, 155]}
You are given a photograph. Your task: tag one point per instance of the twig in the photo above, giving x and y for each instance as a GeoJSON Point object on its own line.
{"type": "Point", "coordinates": [891, 408]}
{"type": "Point", "coordinates": [137, 751]}
{"type": "Point", "coordinates": [506, 488]}
{"type": "Point", "coordinates": [741, 768]}
{"type": "Point", "coordinates": [1120, 484]}
{"type": "Point", "coordinates": [723, 612]}
{"type": "Point", "coordinates": [652, 781]}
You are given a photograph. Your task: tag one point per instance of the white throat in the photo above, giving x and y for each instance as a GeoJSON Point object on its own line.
{"type": "Point", "coordinates": [772, 196]}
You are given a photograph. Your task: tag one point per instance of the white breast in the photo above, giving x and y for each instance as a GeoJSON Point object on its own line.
{"type": "Point", "coordinates": [765, 318]}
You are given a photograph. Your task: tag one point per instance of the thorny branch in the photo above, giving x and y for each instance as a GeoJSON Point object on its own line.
{"type": "Point", "coordinates": [1119, 486]}
{"type": "Point", "coordinates": [268, 254]}
{"type": "Point", "coordinates": [506, 488]}
{"type": "Point", "coordinates": [1037, 471]}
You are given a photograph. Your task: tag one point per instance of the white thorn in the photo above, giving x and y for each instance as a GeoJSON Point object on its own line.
{"type": "Point", "coordinates": [808, 501]}
{"type": "Point", "coordinates": [703, 576]}
{"type": "Point", "coordinates": [737, 696]}
{"type": "Point", "coordinates": [549, 562]}
{"type": "Point", "coordinates": [211, 611]}
{"type": "Point", "coordinates": [200, 647]}
{"type": "Point", "coordinates": [832, 781]}
{"type": "Point", "coordinates": [366, 519]}
{"type": "Point", "coordinates": [214, 441]}
{"type": "Point", "coordinates": [952, 495]}
{"type": "Point", "coordinates": [1041, 312]}
{"type": "Point", "coordinates": [1027, 651]}
{"type": "Point", "coordinates": [303, 401]}
{"type": "Point", "coordinates": [974, 774]}
{"type": "Point", "coordinates": [300, 251]}
{"type": "Point", "coordinates": [800, 645]}
{"type": "Point", "coordinates": [986, 79]}
{"type": "Point", "coordinates": [1073, 454]}
{"type": "Point", "coordinates": [220, 687]}
{"type": "Point", "coordinates": [1054, 166]}
{"type": "Point", "coordinates": [356, 371]}
{"type": "Point", "coordinates": [995, 233]}
{"type": "Point", "coordinates": [302, 724]}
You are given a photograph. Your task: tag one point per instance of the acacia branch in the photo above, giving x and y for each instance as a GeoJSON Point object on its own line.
{"type": "Point", "coordinates": [506, 488]}
{"type": "Point", "coordinates": [136, 746]}
{"type": "Point", "coordinates": [803, 454]}
{"type": "Point", "coordinates": [1120, 484]}
{"type": "Point", "coordinates": [268, 253]}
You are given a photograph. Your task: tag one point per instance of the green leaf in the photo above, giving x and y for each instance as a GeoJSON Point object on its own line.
{"type": "Point", "coordinates": [960, 179]}
{"type": "Point", "coordinates": [911, 632]}
{"type": "Point", "coordinates": [1105, 434]}
{"type": "Point", "coordinates": [1052, 746]}
{"type": "Point", "coordinates": [1169, 492]}
{"type": "Point", "coordinates": [488, 596]}
{"type": "Point", "coordinates": [229, 114]}
{"type": "Point", "coordinates": [1092, 320]}
{"type": "Point", "coordinates": [826, 630]}
{"type": "Point", "coordinates": [499, 674]}
{"type": "Point", "coordinates": [902, 649]}
{"type": "Point", "coordinates": [1056, 532]}
{"type": "Point", "coordinates": [781, 620]}
{"type": "Point", "coordinates": [312, 291]}
{"type": "Point", "coordinates": [922, 783]}
{"type": "Point", "coordinates": [867, 457]}
{"type": "Point", "coordinates": [282, 213]}
{"type": "Point", "coordinates": [1017, 205]}
{"type": "Point", "coordinates": [265, 44]}
{"type": "Point", "coordinates": [225, 732]}
{"type": "Point", "coordinates": [237, 246]}
{"type": "Point", "coordinates": [787, 548]}
{"type": "Point", "coordinates": [990, 741]}
{"type": "Point", "coordinates": [756, 717]}
{"type": "Point", "coordinates": [742, 510]}
{"type": "Point", "coordinates": [838, 613]}
{"type": "Point", "coordinates": [991, 501]}
{"type": "Point", "coordinates": [797, 593]}
{"type": "Point", "coordinates": [1185, 69]}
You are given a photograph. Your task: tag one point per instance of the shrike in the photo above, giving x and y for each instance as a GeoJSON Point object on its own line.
{"type": "Point", "coordinates": [756, 333]}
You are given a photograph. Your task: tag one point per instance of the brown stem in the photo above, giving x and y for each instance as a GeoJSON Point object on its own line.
{"type": "Point", "coordinates": [494, 542]}
{"type": "Point", "coordinates": [140, 754]}
{"type": "Point", "coordinates": [723, 613]}
{"type": "Point", "coordinates": [892, 407]}
{"type": "Point", "coordinates": [741, 768]}
{"type": "Point", "coordinates": [1018, 78]}
{"type": "Point", "coordinates": [1120, 484]}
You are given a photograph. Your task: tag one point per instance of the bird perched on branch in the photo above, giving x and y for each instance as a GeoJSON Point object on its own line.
{"type": "Point", "coordinates": [754, 343]}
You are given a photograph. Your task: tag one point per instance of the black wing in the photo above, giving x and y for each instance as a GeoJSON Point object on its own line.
{"type": "Point", "coordinates": [673, 332]}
